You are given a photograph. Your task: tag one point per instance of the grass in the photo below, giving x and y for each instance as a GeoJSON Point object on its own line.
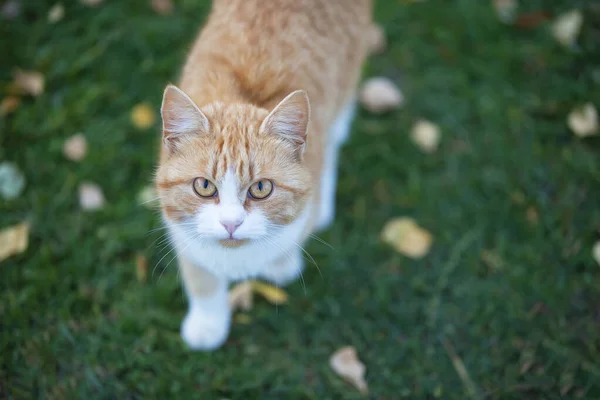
{"type": "Point", "coordinates": [506, 305]}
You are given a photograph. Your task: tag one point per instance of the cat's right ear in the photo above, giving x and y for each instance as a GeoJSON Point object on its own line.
{"type": "Point", "coordinates": [181, 117]}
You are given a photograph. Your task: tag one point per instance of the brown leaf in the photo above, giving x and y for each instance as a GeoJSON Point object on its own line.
{"type": "Point", "coordinates": [240, 296]}
{"type": "Point", "coordinates": [9, 104]}
{"type": "Point", "coordinates": [30, 82]}
{"type": "Point", "coordinates": [141, 267]}
{"type": "Point", "coordinates": [14, 240]}
{"type": "Point", "coordinates": [407, 237]}
{"type": "Point", "coordinates": [346, 364]}
{"type": "Point", "coordinates": [91, 197]}
{"type": "Point", "coordinates": [162, 7]}
{"type": "Point", "coordinates": [75, 148]}
{"type": "Point", "coordinates": [271, 293]}
{"type": "Point", "coordinates": [532, 20]}
{"type": "Point", "coordinates": [142, 116]}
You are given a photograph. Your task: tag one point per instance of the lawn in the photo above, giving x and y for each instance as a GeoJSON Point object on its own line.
{"type": "Point", "coordinates": [509, 290]}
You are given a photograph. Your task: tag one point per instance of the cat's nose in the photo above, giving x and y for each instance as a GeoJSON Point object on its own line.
{"type": "Point", "coordinates": [230, 227]}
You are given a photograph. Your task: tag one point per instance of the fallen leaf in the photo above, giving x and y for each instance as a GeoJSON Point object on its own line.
{"type": "Point", "coordinates": [162, 7]}
{"type": "Point", "coordinates": [142, 116]}
{"type": "Point", "coordinates": [596, 252]}
{"type": "Point", "coordinates": [271, 293]}
{"type": "Point", "coordinates": [531, 20]}
{"type": "Point", "coordinates": [75, 148]}
{"type": "Point", "coordinates": [141, 267]}
{"type": "Point", "coordinates": [346, 364]}
{"type": "Point", "coordinates": [380, 95]}
{"type": "Point", "coordinates": [506, 10]}
{"type": "Point", "coordinates": [12, 181]}
{"type": "Point", "coordinates": [517, 198]}
{"type": "Point", "coordinates": [91, 197]}
{"type": "Point", "coordinates": [30, 82]}
{"type": "Point", "coordinates": [566, 27]}
{"type": "Point", "coordinates": [147, 196]}
{"type": "Point", "coordinates": [377, 40]}
{"type": "Point", "coordinates": [56, 13]}
{"type": "Point", "coordinates": [240, 296]}
{"type": "Point", "coordinates": [242, 319]}
{"type": "Point", "coordinates": [9, 104]}
{"type": "Point", "coordinates": [426, 135]}
{"type": "Point", "coordinates": [14, 240]}
{"type": "Point", "coordinates": [584, 121]}
{"type": "Point", "coordinates": [532, 216]}
{"type": "Point", "coordinates": [91, 3]}
{"type": "Point", "coordinates": [11, 9]}
{"type": "Point", "coordinates": [407, 237]}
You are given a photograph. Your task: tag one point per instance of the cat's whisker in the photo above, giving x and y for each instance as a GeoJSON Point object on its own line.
{"type": "Point", "coordinates": [289, 256]}
{"type": "Point", "coordinates": [194, 238]}
{"type": "Point", "coordinates": [320, 240]}
{"type": "Point", "coordinates": [311, 258]}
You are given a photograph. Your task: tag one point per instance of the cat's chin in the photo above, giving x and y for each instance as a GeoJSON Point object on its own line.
{"type": "Point", "coordinates": [233, 243]}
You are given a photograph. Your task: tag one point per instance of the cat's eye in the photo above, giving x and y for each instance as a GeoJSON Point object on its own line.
{"type": "Point", "coordinates": [204, 188]}
{"type": "Point", "coordinates": [260, 190]}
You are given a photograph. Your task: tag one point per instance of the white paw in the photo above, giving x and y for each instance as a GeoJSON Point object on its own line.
{"type": "Point", "coordinates": [202, 330]}
{"type": "Point", "coordinates": [285, 271]}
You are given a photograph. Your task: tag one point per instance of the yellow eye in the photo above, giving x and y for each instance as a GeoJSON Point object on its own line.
{"type": "Point", "coordinates": [260, 190]}
{"type": "Point", "coordinates": [204, 188]}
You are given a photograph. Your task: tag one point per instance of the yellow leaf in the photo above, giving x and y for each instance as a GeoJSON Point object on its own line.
{"type": "Point", "coordinates": [75, 147]}
{"type": "Point", "coordinates": [584, 121]}
{"type": "Point", "coordinates": [30, 82]}
{"type": "Point", "coordinates": [14, 240]}
{"type": "Point", "coordinates": [240, 296]}
{"type": "Point", "coordinates": [141, 267]}
{"type": "Point", "coordinates": [407, 237]}
{"type": "Point", "coordinates": [346, 364]}
{"type": "Point", "coordinates": [9, 104]}
{"type": "Point", "coordinates": [271, 293]}
{"type": "Point", "coordinates": [242, 319]}
{"type": "Point", "coordinates": [142, 116]}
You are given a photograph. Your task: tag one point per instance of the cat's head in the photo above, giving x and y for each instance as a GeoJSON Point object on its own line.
{"type": "Point", "coordinates": [232, 174]}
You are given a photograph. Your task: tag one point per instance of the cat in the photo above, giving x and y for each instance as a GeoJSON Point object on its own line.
{"type": "Point", "coordinates": [248, 162]}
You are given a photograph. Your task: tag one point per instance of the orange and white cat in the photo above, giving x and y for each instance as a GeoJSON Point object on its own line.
{"type": "Point", "coordinates": [248, 164]}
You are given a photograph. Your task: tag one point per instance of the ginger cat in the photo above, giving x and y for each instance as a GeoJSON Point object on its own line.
{"type": "Point", "coordinates": [248, 165]}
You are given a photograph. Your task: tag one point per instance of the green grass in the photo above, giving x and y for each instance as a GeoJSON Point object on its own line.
{"type": "Point", "coordinates": [517, 298]}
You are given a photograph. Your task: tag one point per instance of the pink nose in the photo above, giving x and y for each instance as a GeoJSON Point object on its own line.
{"type": "Point", "coordinates": [230, 227]}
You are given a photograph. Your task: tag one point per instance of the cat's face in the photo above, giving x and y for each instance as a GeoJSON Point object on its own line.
{"type": "Point", "coordinates": [231, 175]}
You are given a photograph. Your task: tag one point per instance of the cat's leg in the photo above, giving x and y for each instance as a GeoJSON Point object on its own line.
{"type": "Point", "coordinates": [338, 135]}
{"type": "Point", "coordinates": [285, 269]}
{"type": "Point", "coordinates": [206, 325]}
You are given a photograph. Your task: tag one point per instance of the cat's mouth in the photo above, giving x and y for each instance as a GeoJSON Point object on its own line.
{"type": "Point", "coordinates": [232, 243]}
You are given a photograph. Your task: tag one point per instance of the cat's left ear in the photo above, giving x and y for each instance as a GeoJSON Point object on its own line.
{"type": "Point", "coordinates": [181, 117]}
{"type": "Point", "coordinates": [290, 119]}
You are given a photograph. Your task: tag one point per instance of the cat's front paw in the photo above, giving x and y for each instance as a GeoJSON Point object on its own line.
{"type": "Point", "coordinates": [205, 331]}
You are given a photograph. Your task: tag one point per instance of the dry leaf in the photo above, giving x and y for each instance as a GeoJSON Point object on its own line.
{"type": "Point", "coordinates": [346, 364]}
{"type": "Point", "coordinates": [9, 104]}
{"type": "Point", "coordinates": [407, 237]}
{"type": "Point", "coordinates": [506, 10]}
{"type": "Point", "coordinates": [147, 196]}
{"type": "Point", "coordinates": [379, 95]}
{"type": "Point", "coordinates": [240, 296]}
{"type": "Point", "coordinates": [271, 293]}
{"type": "Point", "coordinates": [584, 121]}
{"type": "Point", "coordinates": [162, 7]}
{"type": "Point", "coordinates": [566, 27]}
{"type": "Point", "coordinates": [91, 197]}
{"type": "Point", "coordinates": [11, 9]}
{"type": "Point", "coordinates": [91, 3]}
{"type": "Point", "coordinates": [30, 82]}
{"type": "Point", "coordinates": [14, 240]}
{"type": "Point", "coordinates": [141, 267]}
{"type": "Point", "coordinates": [532, 19]}
{"type": "Point", "coordinates": [142, 116]}
{"type": "Point", "coordinates": [596, 252]}
{"type": "Point", "coordinates": [12, 181]}
{"type": "Point", "coordinates": [377, 40]}
{"type": "Point", "coordinates": [56, 13]}
{"type": "Point", "coordinates": [426, 135]}
{"type": "Point", "coordinates": [75, 148]}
